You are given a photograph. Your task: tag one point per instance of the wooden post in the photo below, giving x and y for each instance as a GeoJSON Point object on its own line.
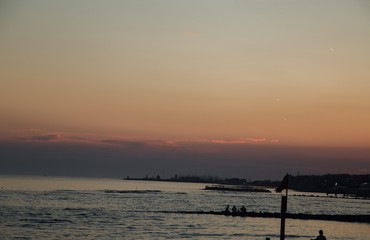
{"type": "Point", "coordinates": [284, 203]}
{"type": "Point", "coordinates": [282, 216]}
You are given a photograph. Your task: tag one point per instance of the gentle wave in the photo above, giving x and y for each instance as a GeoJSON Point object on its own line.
{"type": "Point", "coordinates": [74, 209]}
{"type": "Point", "coordinates": [52, 221]}
{"type": "Point", "coordinates": [132, 191]}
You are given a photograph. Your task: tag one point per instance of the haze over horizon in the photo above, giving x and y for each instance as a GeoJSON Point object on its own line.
{"type": "Point", "coordinates": [249, 89]}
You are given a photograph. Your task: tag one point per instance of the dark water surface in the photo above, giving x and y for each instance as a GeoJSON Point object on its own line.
{"type": "Point", "coordinates": [74, 208]}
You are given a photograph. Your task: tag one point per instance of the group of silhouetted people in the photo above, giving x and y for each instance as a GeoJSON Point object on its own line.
{"type": "Point", "coordinates": [235, 210]}
{"type": "Point", "coordinates": [244, 210]}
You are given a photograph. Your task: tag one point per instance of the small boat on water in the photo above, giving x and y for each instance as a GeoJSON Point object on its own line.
{"type": "Point", "coordinates": [238, 188]}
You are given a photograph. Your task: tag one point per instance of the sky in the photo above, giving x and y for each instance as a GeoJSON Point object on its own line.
{"type": "Point", "coordinates": [252, 88]}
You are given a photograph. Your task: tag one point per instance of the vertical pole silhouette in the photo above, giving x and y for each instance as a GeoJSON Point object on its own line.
{"type": "Point", "coordinates": [284, 204]}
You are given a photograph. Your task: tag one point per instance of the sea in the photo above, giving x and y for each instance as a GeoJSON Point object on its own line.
{"type": "Point", "coordinates": [90, 208]}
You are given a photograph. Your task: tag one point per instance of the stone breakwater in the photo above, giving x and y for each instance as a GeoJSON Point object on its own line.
{"type": "Point", "coordinates": [325, 217]}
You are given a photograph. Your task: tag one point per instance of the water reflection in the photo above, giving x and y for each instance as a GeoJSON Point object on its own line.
{"type": "Point", "coordinates": [57, 208]}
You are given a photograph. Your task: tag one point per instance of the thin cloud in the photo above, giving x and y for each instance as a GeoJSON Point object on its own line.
{"type": "Point", "coordinates": [241, 141]}
{"type": "Point", "coordinates": [228, 142]}
{"type": "Point", "coordinates": [255, 140]}
{"type": "Point", "coordinates": [38, 135]}
{"type": "Point", "coordinates": [45, 137]}
{"type": "Point", "coordinates": [132, 142]}
{"type": "Point", "coordinates": [125, 143]}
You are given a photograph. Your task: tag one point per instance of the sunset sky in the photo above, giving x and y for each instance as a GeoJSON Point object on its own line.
{"type": "Point", "coordinates": [247, 88]}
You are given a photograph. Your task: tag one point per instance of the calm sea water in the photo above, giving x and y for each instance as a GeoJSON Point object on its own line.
{"type": "Point", "coordinates": [76, 208]}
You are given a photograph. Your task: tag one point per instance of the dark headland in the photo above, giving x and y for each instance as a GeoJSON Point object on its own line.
{"type": "Point", "coordinates": [343, 185]}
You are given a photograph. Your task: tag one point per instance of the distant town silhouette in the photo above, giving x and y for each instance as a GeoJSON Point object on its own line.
{"type": "Point", "coordinates": [337, 185]}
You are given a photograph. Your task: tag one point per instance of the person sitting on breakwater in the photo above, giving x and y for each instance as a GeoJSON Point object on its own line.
{"type": "Point", "coordinates": [227, 211]}
{"type": "Point", "coordinates": [243, 209]}
{"type": "Point", "coordinates": [321, 236]}
{"type": "Point", "coordinates": [234, 210]}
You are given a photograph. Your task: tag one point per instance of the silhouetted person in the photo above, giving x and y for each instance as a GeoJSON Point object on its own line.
{"type": "Point", "coordinates": [243, 209]}
{"type": "Point", "coordinates": [321, 236]}
{"type": "Point", "coordinates": [234, 210]}
{"type": "Point", "coordinates": [227, 209]}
